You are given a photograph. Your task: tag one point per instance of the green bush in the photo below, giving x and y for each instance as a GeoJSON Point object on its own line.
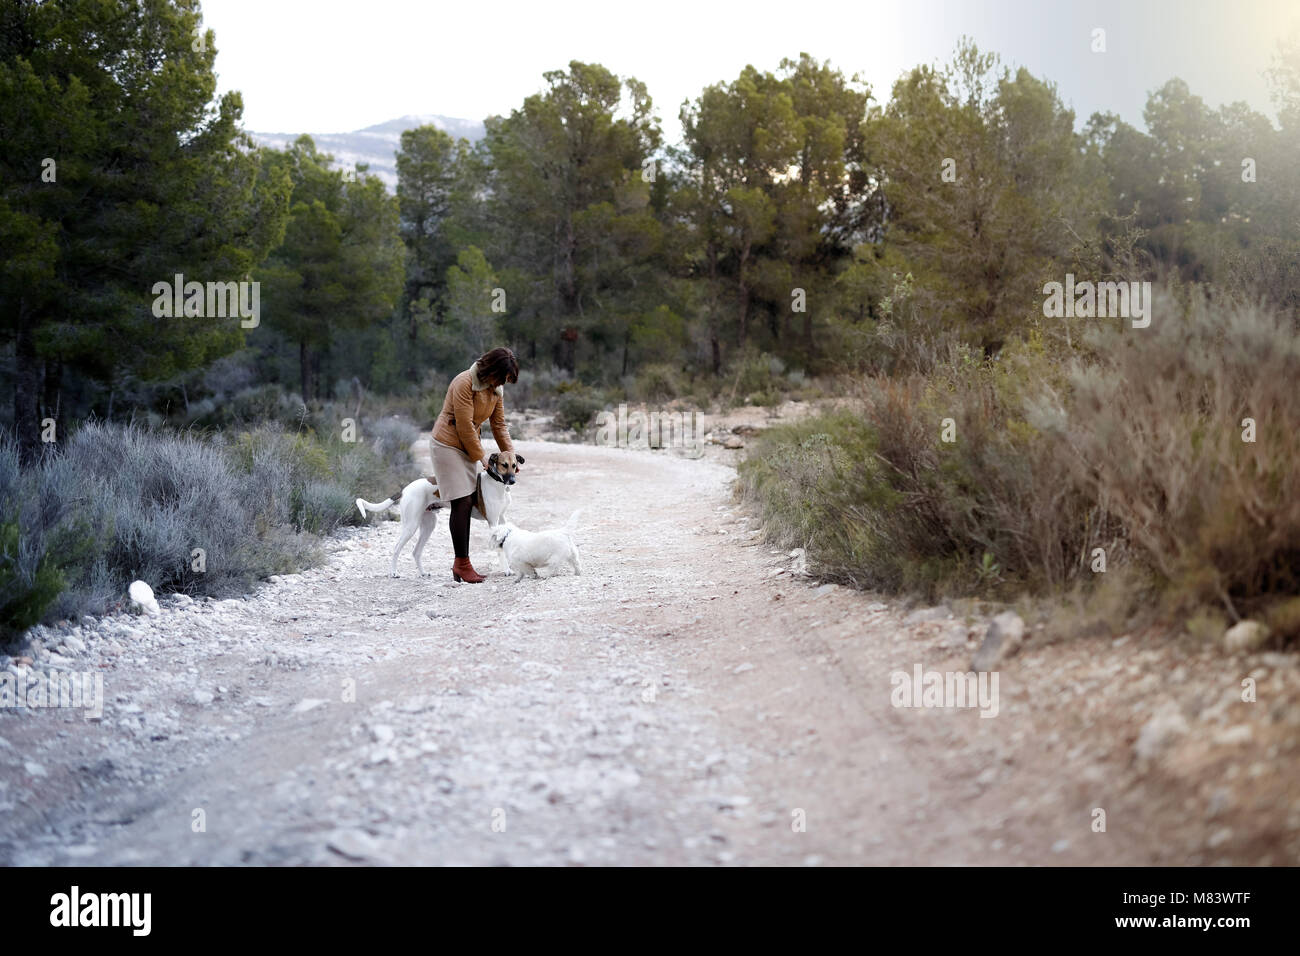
{"type": "Point", "coordinates": [577, 406]}
{"type": "Point", "coordinates": [250, 406]}
{"type": "Point", "coordinates": [754, 375]}
{"type": "Point", "coordinates": [29, 582]}
{"type": "Point", "coordinates": [657, 383]}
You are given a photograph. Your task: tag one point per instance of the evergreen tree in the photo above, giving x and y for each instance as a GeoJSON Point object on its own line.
{"type": "Point", "coordinates": [117, 171]}
{"type": "Point", "coordinates": [340, 265]}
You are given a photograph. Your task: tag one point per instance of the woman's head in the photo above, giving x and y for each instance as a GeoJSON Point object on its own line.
{"type": "Point", "coordinates": [498, 367]}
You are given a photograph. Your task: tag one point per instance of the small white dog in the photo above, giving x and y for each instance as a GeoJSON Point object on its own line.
{"type": "Point", "coordinates": [528, 552]}
{"type": "Point", "coordinates": [420, 503]}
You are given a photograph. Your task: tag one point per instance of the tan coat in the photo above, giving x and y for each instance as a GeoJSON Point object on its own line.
{"type": "Point", "coordinates": [467, 406]}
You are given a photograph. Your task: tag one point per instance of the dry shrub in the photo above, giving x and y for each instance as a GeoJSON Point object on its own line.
{"type": "Point", "coordinates": [1155, 429]}
{"type": "Point", "coordinates": [880, 500]}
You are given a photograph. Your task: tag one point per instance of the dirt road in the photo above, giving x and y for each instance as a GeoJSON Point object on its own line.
{"type": "Point", "coordinates": [688, 700]}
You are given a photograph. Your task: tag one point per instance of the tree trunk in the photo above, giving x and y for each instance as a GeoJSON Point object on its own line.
{"type": "Point", "coordinates": [567, 348]}
{"type": "Point", "coordinates": [570, 287]}
{"type": "Point", "coordinates": [744, 295]}
{"type": "Point", "coordinates": [27, 421]}
{"type": "Point", "coordinates": [304, 365]}
{"type": "Point", "coordinates": [744, 313]}
{"type": "Point", "coordinates": [52, 394]}
{"type": "Point", "coordinates": [717, 351]}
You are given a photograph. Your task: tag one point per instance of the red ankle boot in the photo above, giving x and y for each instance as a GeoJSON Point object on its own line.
{"type": "Point", "coordinates": [462, 570]}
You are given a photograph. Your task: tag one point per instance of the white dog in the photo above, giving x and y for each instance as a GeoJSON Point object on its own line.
{"type": "Point", "coordinates": [420, 502]}
{"type": "Point", "coordinates": [527, 552]}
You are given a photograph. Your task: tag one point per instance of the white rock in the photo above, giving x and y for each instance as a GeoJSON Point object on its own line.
{"type": "Point", "coordinates": [203, 697]}
{"type": "Point", "coordinates": [383, 733]}
{"type": "Point", "coordinates": [34, 769]}
{"type": "Point", "coordinates": [308, 703]}
{"type": "Point", "coordinates": [922, 615]}
{"type": "Point", "coordinates": [743, 668]}
{"type": "Point", "coordinates": [1239, 734]}
{"type": "Point", "coordinates": [1273, 659]}
{"type": "Point", "coordinates": [1245, 636]}
{"type": "Point", "coordinates": [1160, 732]}
{"type": "Point", "coordinates": [353, 844]}
{"type": "Point", "coordinates": [1219, 837]}
{"type": "Point", "coordinates": [143, 597]}
{"type": "Point", "coordinates": [74, 643]}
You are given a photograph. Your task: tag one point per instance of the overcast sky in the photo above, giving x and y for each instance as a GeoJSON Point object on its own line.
{"type": "Point", "coordinates": [338, 65]}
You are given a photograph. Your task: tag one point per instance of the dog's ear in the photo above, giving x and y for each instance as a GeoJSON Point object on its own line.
{"type": "Point", "coordinates": [492, 461]}
{"type": "Point", "coordinates": [519, 459]}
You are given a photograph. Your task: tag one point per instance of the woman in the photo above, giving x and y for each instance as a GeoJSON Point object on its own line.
{"type": "Point", "coordinates": [473, 397]}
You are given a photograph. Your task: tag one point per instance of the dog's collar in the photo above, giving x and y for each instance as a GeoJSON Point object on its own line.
{"type": "Point", "coordinates": [493, 475]}
{"type": "Point", "coordinates": [502, 542]}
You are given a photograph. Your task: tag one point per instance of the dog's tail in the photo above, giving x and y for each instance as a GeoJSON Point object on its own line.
{"type": "Point", "coordinates": [572, 524]}
{"type": "Point", "coordinates": [371, 507]}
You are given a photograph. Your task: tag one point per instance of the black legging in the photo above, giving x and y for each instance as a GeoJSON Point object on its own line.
{"type": "Point", "coordinates": [459, 521]}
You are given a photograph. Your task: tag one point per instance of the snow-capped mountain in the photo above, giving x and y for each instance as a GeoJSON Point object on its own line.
{"type": "Point", "coordinates": [376, 145]}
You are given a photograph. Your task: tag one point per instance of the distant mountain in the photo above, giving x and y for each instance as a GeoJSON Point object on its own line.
{"type": "Point", "coordinates": [376, 145]}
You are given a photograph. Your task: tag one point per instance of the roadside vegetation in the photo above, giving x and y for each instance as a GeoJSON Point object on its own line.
{"type": "Point", "coordinates": [192, 512]}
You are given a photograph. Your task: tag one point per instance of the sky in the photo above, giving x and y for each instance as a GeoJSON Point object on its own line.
{"type": "Point", "coordinates": [326, 66]}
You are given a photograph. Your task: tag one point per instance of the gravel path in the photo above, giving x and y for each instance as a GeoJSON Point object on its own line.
{"type": "Point", "coordinates": [691, 699]}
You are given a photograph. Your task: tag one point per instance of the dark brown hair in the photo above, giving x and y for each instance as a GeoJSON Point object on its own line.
{"type": "Point", "coordinates": [500, 367]}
